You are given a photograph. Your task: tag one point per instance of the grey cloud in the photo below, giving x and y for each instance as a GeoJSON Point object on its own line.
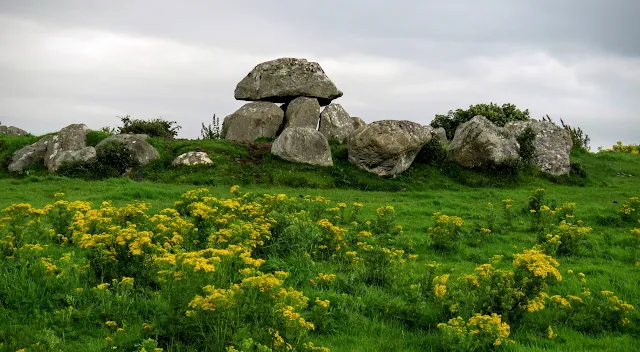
{"type": "Point", "coordinates": [608, 25]}
{"type": "Point", "coordinates": [401, 60]}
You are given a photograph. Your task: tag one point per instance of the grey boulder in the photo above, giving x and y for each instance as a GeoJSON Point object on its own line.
{"type": "Point", "coordinates": [253, 120]}
{"type": "Point", "coordinates": [86, 154]}
{"type": "Point", "coordinates": [478, 143]}
{"type": "Point", "coordinates": [71, 138]}
{"type": "Point", "coordinates": [29, 155]}
{"type": "Point", "coordinates": [336, 124]}
{"type": "Point", "coordinates": [357, 123]}
{"type": "Point", "coordinates": [141, 151]}
{"type": "Point", "coordinates": [387, 147]}
{"type": "Point", "coordinates": [552, 145]}
{"type": "Point", "coordinates": [192, 158]}
{"type": "Point", "coordinates": [303, 145]}
{"type": "Point", "coordinates": [302, 112]}
{"type": "Point", "coordinates": [441, 135]}
{"type": "Point", "coordinates": [12, 131]}
{"type": "Point", "coordinates": [281, 80]}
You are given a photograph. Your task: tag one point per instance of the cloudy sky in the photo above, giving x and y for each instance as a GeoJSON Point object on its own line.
{"type": "Point", "coordinates": [86, 61]}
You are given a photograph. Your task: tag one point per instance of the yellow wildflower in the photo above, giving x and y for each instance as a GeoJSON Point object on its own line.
{"type": "Point", "coordinates": [550, 333]}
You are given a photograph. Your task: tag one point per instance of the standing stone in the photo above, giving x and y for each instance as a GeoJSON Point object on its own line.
{"type": "Point", "coordinates": [335, 123]}
{"type": "Point", "coordinates": [141, 151]}
{"type": "Point", "coordinates": [303, 145]}
{"type": "Point", "coordinates": [192, 158]}
{"type": "Point", "coordinates": [552, 145]}
{"type": "Point", "coordinates": [302, 112]}
{"type": "Point", "coordinates": [284, 79]}
{"type": "Point", "coordinates": [387, 147]}
{"type": "Point", "coordinates": [480, 143]}
{"type": "Point", "coordinates": [30, 154]}
{"type": "Point", "coordinates": [12, 131]}
{"type": "Point", "coordinates": [71, 138]}
{"type": "Point", "coordinates": [253, 120]}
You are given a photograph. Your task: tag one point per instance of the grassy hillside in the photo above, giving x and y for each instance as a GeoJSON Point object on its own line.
{"type": "Point", "coordinates": [253, 164]}
{"type": "Point", "coordinates": [390, 291]}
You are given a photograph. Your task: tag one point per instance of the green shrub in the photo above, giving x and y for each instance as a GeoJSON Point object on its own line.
{"type": "Point", "coordinates": [432, 153]}
{"type": "Point", "coordinates": [95, 137]}
{"type": "Point", "coordinates": [499, 115]}
{"type": "Point", "coordinates": [78, 169]}
{"type": "Point", "coordinates": [447, 233]}
{"type": "Point", "coordinates": [527, 146]}
{"type": "Point", "coordinates": [114, 158]}
{"type": "Point", "coordinates": [153, 128]}
{"type": "Point", "coordinates": [578, 170]}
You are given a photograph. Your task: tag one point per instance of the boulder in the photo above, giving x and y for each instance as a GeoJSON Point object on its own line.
{"type": "Point", "coordinates": [441, 135]}
{"type": "Point", "coordinates": [302, 112]}
{"type": "Point", "coordinates": [303, 145]}
{"type": "Point", "coordinates": [85, 154]}
{"type": "Point", "coordinates": [12, 131]}
{"type": "Point", "coordinates": [335, 123]}
{"type": "Point", "coordinates": [71, 138]}
{"type": "Point", "coordinates": [357, 123]}
{"type": "Point", "coordinates": [253, 120]}
{"type": "Point", "coordinates": [387, 147]}
{"type": "Point", "coordinates": [141, 151]}
{"type": "Point", "coordinates": [552, 145]}
{"type": "Point", "coordinates": [192, 158]}
{"type": "Point", "coordinates": [30, 154]}
{"type": "Point", "coordinates": [284, 79]}
{"type": "Point", "coordinates": [479, 143]}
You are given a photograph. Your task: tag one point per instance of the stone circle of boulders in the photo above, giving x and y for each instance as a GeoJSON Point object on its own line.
{"type": "Point", "coordinates": [192, 158]}
{"type": "Point", "coordinates": [284, 79]}
{"type": "Point", "coordinates": [70, 145]}
{"type": "Point", "coordinates": [12, 131]}
{"type": "Point", "coordinates": [552, 145]}
{"type": "Point", "coordinates": [478, 143]}
{"type": "Point", "coordinates": [302, 87]}
{"type": "Point", "coordinates": [141, 151]}
{"type": "Point", "coordinates": [302, 131]}
{"type": "Point", "coordinates": [303, 145]}
{"type": "Point", "coordinates": [387, 147]}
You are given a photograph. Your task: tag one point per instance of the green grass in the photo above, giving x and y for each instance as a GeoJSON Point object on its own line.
{"type": "Point", "coordinates": [370, 317]}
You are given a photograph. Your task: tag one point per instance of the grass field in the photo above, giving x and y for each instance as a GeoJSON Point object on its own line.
{"type": "Point", "coordinates": [277, 272]}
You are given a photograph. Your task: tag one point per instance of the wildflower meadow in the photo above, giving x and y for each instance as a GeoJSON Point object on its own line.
{"type": "Point", "coordinates": [244, 270]}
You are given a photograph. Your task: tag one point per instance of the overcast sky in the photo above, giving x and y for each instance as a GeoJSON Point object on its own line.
{"type": "Point", "coordinates": [86, 61]}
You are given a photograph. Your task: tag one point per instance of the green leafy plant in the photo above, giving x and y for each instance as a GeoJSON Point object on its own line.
{"type": "Point", "coordinates": [432, 153]}
{"type": "Point", "coordinates": [446, 234]}
{"type": "Point", "coordinates": [495, 113]}
{"type": "Point", "coordinates": [153, 128]}
{"type": "Point", "coordinates": [527, 146]}
{"type": "Point", "coordinates": [212, 130]}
